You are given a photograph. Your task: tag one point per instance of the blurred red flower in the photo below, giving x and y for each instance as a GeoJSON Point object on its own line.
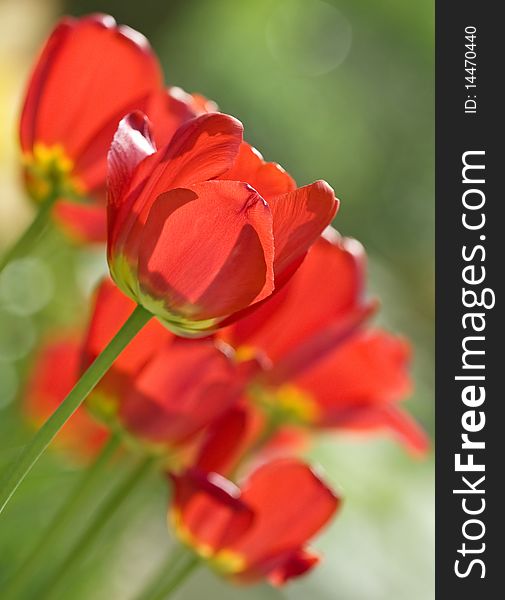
{"type": "Point", "coordinates": [190, 244]}
{"type": "Point", "coordinates": [321, 367]}
{"type": "Point", "coordinates": [90, 73]}
{"type": "Point", "coordinates": [258, 530]}
{"type": "Point", "coordinates": [161, 392]}
{"type": "Point", "coordinates": [55, 371]}
{"type": "Point", "coordinates": [162, 389]}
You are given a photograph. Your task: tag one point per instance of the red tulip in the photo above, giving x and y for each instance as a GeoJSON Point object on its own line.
{"type": "Point", "coordinates": [55, 372]}
{"type": "Point", "coordinates": [90, 73]}
{"type": "Point", "coordinates": [192, 246]}
{"type": "Point", "coordinates": [322, 368]}
{"type": "Point", "coordinates": [162, 389]}
{"type": "Point", "coordinates": [259, 530]}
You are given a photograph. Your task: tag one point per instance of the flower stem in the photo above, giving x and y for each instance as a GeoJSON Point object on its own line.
{"type": "Point", "coordinates": [172, 574]}
{"type": "Point", "coordinates": [31, 234]}
{"type": "Point", "coordinates": [71, 507]}
{"type": "Point", "coordinates": [74, 399]}
{"type": "Point", "coordinates": [105, 512]}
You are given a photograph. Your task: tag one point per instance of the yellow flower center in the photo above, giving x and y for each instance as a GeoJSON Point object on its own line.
{"type": "Point", "coordinates": [245, 353]}
{"type": "Point", "coordinates": [225, 562]}
{"type": "Point", "coordinates": [287, 404]}
{"type": "Point", "coordinates": [49, 172]}
{"type": "Point", "coordinates": [228, 562]}
{"type": "Point", "coordinates": [102, 405]}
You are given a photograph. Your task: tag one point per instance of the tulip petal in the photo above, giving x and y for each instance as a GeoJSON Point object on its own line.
{"type": "Point", "coordinates": [30, 111]}
{"type": "Point", "coordinates": [325, 290]}
{"type": "Point", "coordinates": [80, 61]}
{"type": "Point", "coordinates": [169, 108]}
{"type": "Point", "coordinates": [208, 512]}
{"type": "Point", "coordinates": [131, 144]}
{"type": "Point", "coordinates": [81, 222]}
{"type": "Point", "coordinates": [316, 348]}
{"type": "Point", "coordinates": [201, 104]}
{"type": "Point", "coordinates": [167, 404]}
{"type": "Point", "coordinates": [407, 430]}
{"type": "Point", "coordinates": [291, 504]}
{"type": "Point", "coordinates": [207, 251]}
{"type": "Point", "coordinates": [267, 178]}
{"type": "Point", "coordinates": [110, 310]}
{"type": "Point", "coordinates": [201, 149]}
{"type": "Point", "coordinates": [226, 441]}
{"type": "Point", "coordinates": [294, 564]}
{"type": "Point", "coordinates": [387, 418]}
{"type": "Point", "coordinates": [368, 370]}
{"type": "Point", "coordinates": [299, 218]}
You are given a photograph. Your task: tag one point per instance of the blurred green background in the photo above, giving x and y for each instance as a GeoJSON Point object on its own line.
{"type": "Point", "coordinates": [341, 91]}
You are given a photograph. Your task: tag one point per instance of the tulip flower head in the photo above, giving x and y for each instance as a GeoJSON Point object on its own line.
{"type": "Point", "coordinates": [258, 530]}
{"type": "Point", "coordinates": [162, 390]}
{"type": "Point", "coordinates": [322, 368]}
{"type": "Point", "coordinates": [189, 244]}
{"type": "Point", "coordinates": [90, 73]}
{"type": "Point", "coordinates": [261, 338]}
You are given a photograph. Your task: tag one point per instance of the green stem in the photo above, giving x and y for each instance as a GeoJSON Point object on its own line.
{"type": "Point", "coordinates": [74, 399]}
{"type": "Point", "coordinates": [173, 573]}
{"type": "Point", "coordinates": [105, 512]}
{"type": "Point", "coordinates": [30, 234]}
{"type": "Point", "coordinates": [71, 507]}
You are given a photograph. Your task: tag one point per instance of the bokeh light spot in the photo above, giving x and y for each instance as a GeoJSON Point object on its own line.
{"type": "Point", "coordinates": [26, 286]}
{"type": "Point", "coordinates": [17, 336]}
{"type": "Point", "coordinates": [308, 37]}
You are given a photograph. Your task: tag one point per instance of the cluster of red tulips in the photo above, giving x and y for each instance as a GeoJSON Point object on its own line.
{"type": "Point", "coordinates": [234, 326]}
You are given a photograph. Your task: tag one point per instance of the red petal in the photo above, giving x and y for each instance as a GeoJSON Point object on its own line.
{"type": "Point", "coordinates": [226, 441]}
{"type": "Point", "coordinates": [110, 310]}
{"type": "Point", "coordinates": [168, 404]}
{"type": "Point", "coordinates": [55, 372]}
{"type": "Point", "coordinates": [299, 218]}
{"type": "Point", "coordinates": [131, 144]}
{"type": "Point", "coordinates": [207, 251]}
{"type": "Point", "coordinates": [201, 149]}
{"type": "Point", "coordinates": [295, 564]}
{"type": "Point", "coordinates": [35, 91]}
{"type": "Point", "coordinates": [201, 104]}
{"type": "Point", "coordinates": [208, 510]}
{"type": "Point", "coordinates": [326, 289]}
{"type": "Point", "coordinates": [388, 418]}
{"type": "Point", "coordinates": [291, 505]}
{"type": "Point", "coordinates": [268, 179]}
{"type": "Point", "coordinates": [316, 348]}
{"type": "Point", "coordinates": [168, 110]}
{"type": "Point", "coordinates": [81, 222]}
{"type": "Point", "coordinates": [89, 75]}
{"type": "Point", "coordinates": [370, 369]}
